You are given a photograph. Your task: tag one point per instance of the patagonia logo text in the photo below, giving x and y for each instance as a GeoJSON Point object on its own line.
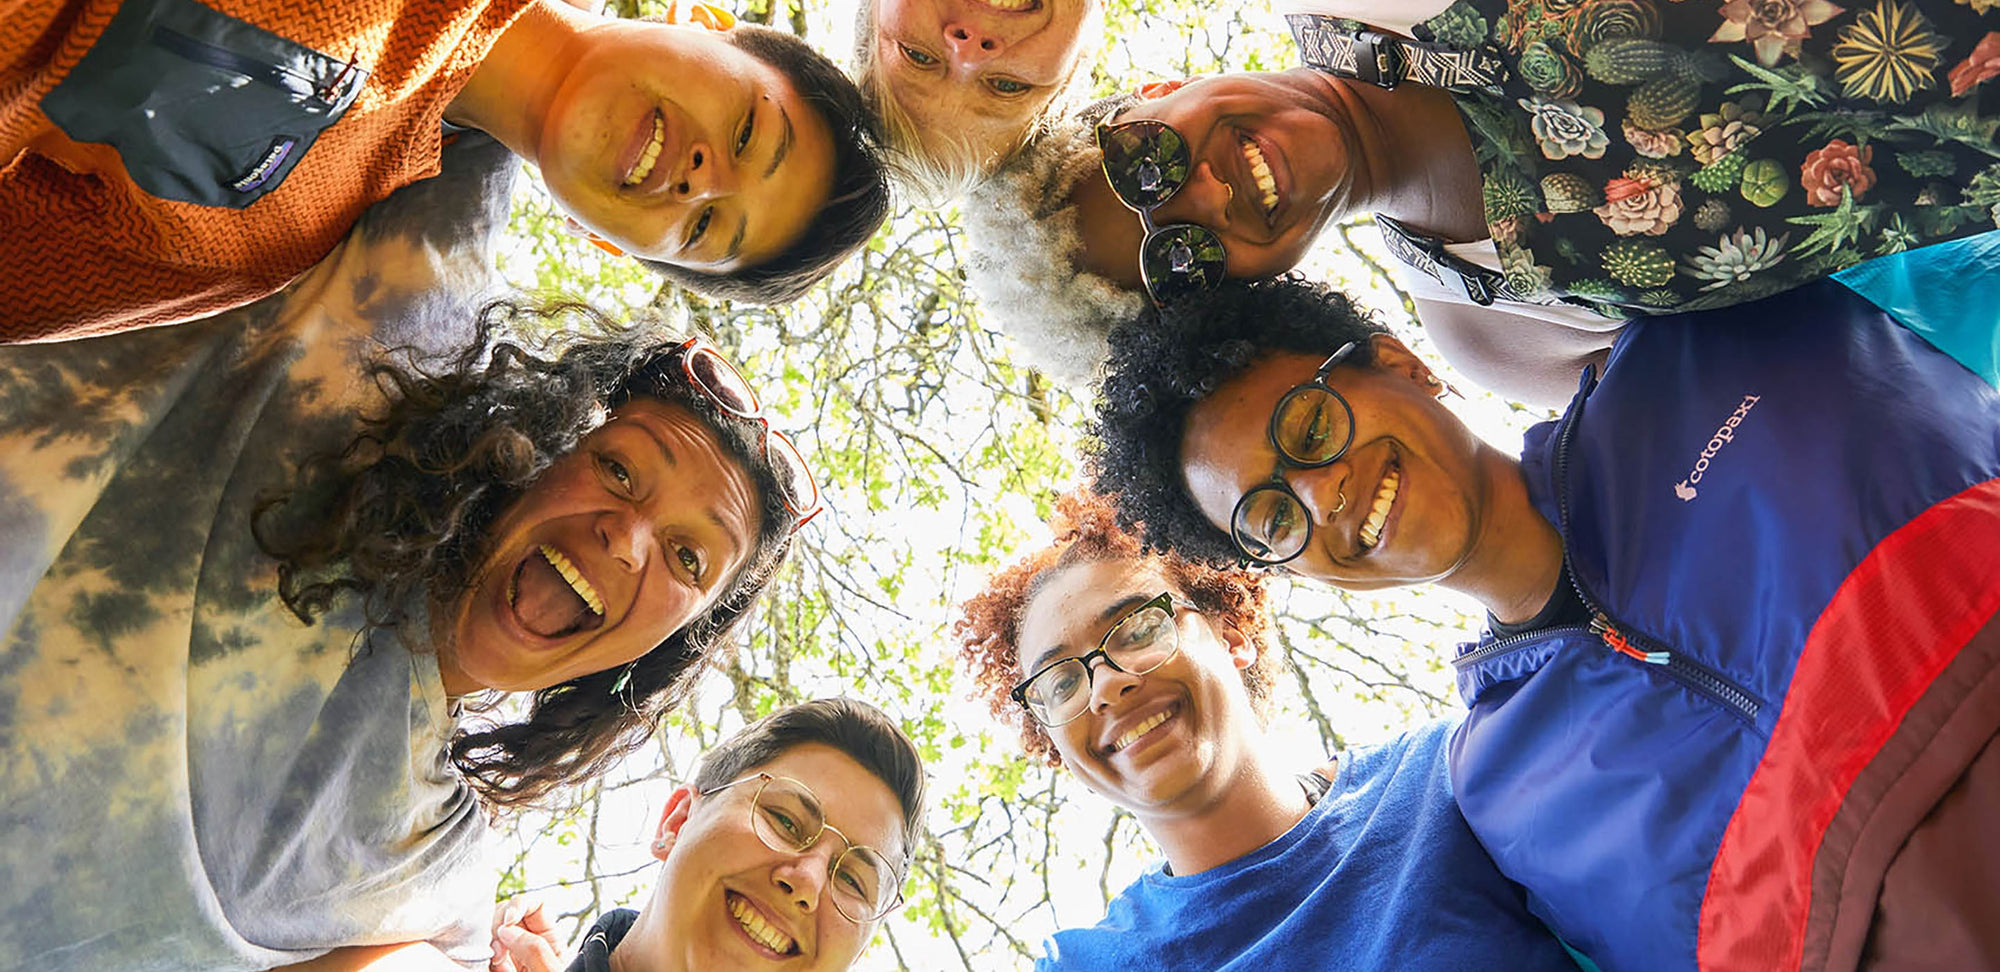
{"type": "Point", "coordinates": [274, 158]}
{"type": "Point", "coordinates": [1685, 489]}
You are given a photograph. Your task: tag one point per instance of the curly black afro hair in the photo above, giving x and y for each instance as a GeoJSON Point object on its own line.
{"type": "Point", "coordinates": [1170, 358]}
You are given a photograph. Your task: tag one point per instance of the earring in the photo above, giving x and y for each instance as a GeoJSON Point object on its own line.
{"type": "Point", "coordinates": [1443, 386]}
{"type": "Point", "coordinates": [624, 679]}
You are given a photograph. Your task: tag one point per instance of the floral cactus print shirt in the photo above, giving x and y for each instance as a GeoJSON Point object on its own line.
{"type": "Point", "coordinates": [1655, 156]}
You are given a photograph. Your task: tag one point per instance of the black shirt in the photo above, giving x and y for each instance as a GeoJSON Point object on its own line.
{"type": "Point", "coordinates": [605, 934]}
{"type": "Point", "coordinates": [1565, 606]}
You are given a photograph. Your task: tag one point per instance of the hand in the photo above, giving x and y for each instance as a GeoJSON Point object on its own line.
{"type": "Point", "coordinates": [523, 938]}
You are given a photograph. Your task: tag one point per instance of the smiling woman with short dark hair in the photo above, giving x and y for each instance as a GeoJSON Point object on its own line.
{"type": "Point", "coordinates": [1540, 174]}
{"type": "Point", "coordinates": [182, 158]}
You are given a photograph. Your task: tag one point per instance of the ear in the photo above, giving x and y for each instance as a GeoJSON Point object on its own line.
{"type": "Point", "coordinates": [1242, 651]}
{"type": "Point", "coordinates": [673, 817]}
{"type": "Point", "coordinates": [1159, 89]}
{"type": "Point", "coordinates": [1394, 358]}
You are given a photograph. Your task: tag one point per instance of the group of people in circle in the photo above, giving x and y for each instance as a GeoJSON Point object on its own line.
{"type": "Point", "coordinates": [1737, 702]}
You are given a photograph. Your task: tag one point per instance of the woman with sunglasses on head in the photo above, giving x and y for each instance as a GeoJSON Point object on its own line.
{"type": "Point", "coordinates": [1148, 677]}
{"type": "Point", "coordinates": [1542, 171]}
{"type": "Point", "coordinates": [1739, 701]}
{"type": "Point", "coordinates": [267, 583]}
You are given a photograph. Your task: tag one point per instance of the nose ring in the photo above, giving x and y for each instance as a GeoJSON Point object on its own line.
{"type": "Point", "coordinates": [1342, 494]}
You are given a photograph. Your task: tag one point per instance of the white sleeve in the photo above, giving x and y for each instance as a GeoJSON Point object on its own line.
{"type": "Point", "coordinates": [1517, 356]}
{"type": "Point", "coordinates": [1394, 16]}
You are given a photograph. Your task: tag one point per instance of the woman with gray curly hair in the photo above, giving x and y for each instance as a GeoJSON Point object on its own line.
{"type": "Point", "coordinates": [1543, 172]}
{"type": "Point", "coordinates": [265, 585]}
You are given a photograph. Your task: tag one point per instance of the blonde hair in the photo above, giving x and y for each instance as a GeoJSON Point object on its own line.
{"type": "Point", "coordinates": [937, 166]}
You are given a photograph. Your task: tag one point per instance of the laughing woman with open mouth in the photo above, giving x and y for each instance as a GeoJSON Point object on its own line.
{"type": "Point", "coordinates": [262, 582]}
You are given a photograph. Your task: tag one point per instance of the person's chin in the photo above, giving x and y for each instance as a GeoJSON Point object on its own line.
{"type": "Point", "coordinates": [1161, 783]}
{"type": "Point", "coordinates": [503, 654]}
{"type": "Point", "coordinates": [1158, 775]}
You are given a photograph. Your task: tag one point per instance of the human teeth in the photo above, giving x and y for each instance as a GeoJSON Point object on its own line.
{"type": "Point", "coordinates": [1378, 511]}
{"type": "Point", "coordinates": [644, 167]}
{"type": "Point", "coordinates": [1132, 735]}
{"type": "Point", "coordinates": [574, 578]}
{"type": "Point", "coordinates": [759, 930]}
{"type": "Point", "coordinates": [1011, 5]}
{"type": "Point", "coordinates": [1261, 171]}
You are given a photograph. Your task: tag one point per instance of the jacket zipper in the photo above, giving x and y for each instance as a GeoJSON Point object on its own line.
{"type": "Point", "coordinates": [1507, 644]}
{"type": "Point", "coordinates": [203, 52]}
{"type": "Point", "coordinates": [1624, 640]}
{"type": "Point", "coordinates": [1698, 677]}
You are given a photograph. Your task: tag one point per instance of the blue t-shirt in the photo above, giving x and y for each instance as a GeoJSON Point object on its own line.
{"type": "Point", "coordinates": [1382, 874]}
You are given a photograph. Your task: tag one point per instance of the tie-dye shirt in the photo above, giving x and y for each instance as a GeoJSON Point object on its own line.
{"type": "Point", "coordinates": [190, 777]}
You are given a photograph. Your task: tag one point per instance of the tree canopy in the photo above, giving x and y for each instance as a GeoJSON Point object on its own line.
{"type": "Point", "coordinates": [940, 459]}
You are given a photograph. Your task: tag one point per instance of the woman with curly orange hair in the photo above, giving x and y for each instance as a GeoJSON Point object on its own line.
{"type": "Point", "coordinates": [1148, 677]}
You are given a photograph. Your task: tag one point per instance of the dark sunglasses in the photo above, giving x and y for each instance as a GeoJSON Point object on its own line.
{"type": "Point", "coordinates": [1146, 162]}
{"type": "Point", "coordinates": [718, 379]}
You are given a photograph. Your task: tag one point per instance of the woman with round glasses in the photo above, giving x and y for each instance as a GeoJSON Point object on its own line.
{"type": "Point", "coordinates": [266, 583]}
{"type": "Point", "coordinates": [1148, 677]}
{"type": "Point", "coordinates": [1739, 699]}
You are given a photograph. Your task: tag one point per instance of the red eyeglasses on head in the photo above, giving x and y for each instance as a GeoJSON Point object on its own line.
{"type": "Point", "coordinates": [718, 379]}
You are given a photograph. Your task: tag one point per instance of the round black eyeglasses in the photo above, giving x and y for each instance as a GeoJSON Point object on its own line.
{"type": "Point", "coordinates": [1312, 426]}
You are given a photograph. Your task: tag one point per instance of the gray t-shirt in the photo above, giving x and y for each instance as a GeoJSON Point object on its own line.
{"type": "Point", "coordinates": [190, 777]}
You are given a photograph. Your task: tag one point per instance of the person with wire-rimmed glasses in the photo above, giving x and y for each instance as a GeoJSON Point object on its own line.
{"type": "Point", "coordinates": [786, 849]}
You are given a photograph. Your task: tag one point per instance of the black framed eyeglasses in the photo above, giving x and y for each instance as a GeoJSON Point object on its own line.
{"type": "Point", "coordinates": [1142, 640]}
{"type": "Point", "coordinates": [1145, 163]}
{"type": "Point", "coordinates": [1311, 426]}
{"type": "Point", "coordinates": [787, 816]}
{"type": "Point", "coordinates": [717, 378]}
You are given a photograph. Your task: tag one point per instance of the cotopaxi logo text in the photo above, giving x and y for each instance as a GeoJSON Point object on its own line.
{"type": "Point", "coordinates": [1722, 437]}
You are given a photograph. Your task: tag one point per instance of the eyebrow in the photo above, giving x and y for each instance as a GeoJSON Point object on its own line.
{"type": "Point", "coordinates": [736, 242]}
{"type": "Point", "coordinates": [735, 248]}
{"type": "Point", "coordinates": [784, 144]}
{"type": "Point", "coordinates": [1116, 611]}
{"type": "Point", "coordinates": [721, 525]}
{"type": "Point", "coordinates": [665, 452]}
{"type": "Point", "coordinates": [722, 528]}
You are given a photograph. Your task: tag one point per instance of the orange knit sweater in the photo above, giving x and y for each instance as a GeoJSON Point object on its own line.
{"type": "Point", "coordinates": [84, 251]}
